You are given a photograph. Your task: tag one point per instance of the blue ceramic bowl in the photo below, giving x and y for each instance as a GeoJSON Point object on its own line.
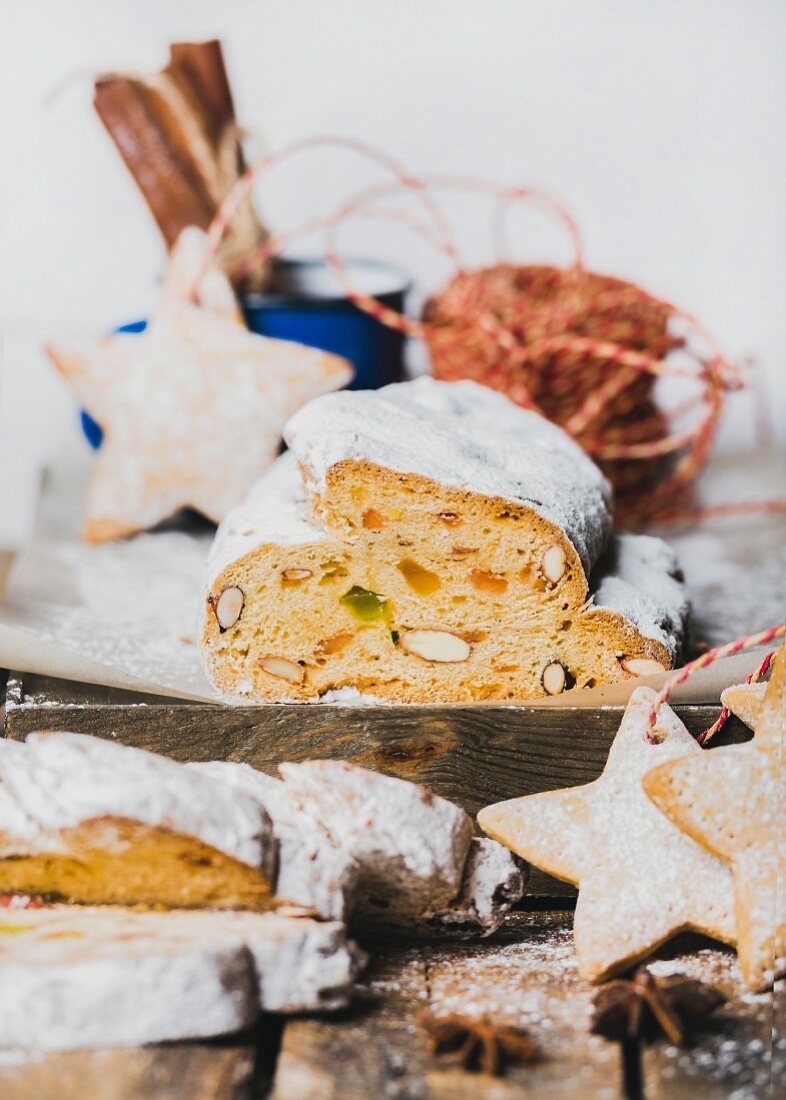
{"type": "Point", "coordinates": [306, 304]}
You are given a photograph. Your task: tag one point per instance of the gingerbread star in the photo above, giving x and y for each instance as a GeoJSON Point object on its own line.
{"type": "Point", "coordinates": [640, 879]}
{"type": "Point", "coordinates": [732, 799]}
{"type": "Point", "coordinates": [193, 408]}
{"type": "Point", "coordinates": [745, 701]}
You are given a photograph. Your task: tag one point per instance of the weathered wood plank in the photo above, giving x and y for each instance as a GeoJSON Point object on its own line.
{"type": "Point", "coordinates": [734, 1055]}
{"type": "Point", "coordinates": [524, 975]}
{"type": "Point", "coordinates": [471, 755]}
{"type": "Point", "coordinates": [779, 1032]}
{"type": "Point", "coordinates": [175, 1071]}
{"type": "Point", "coordinates": [527, 976]}
{"type": "Point", "coordinates": [374, 1049]}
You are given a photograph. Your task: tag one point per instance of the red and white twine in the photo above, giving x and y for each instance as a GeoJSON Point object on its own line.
{"type": "Point", "coordinates": [582, 349]}
{"type": "Point", "coordinates": [748, 641]}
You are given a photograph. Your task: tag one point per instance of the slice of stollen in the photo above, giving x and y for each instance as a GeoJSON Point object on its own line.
{"type": "Point", "coordinates": [433, 542]}
{"type": "Point", "coordinates": [311, 870]}
{"type": "Point", "coordinates": [76, 977]}
{"type": "Point", "coordinates": [88, 820]}
{"type": "Point", "coordinates": [380, 851]}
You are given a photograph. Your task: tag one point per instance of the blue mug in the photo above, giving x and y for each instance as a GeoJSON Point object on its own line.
{"type": "Point", "coordinates": [306, 304]}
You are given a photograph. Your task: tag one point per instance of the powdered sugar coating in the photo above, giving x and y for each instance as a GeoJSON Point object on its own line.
{"type": "Point", "coordinates": [412, 845]}
{"type": "Point", "coordinates": [312, 870]}
{"type": "Point", "coordinates": [639, 578]}
{"type": "Point", "coordinates": [192, 408]}
{"type": "Point", "coordinates": [731, 800]}
{"type": "Point", "coordinates": [462, 435]}
{"type": "Point", "coordinates": [87, 977]}
{"type": "Point", "coordinates": [276, 511]}
{"type": "Point", "coordinates": [58, 780]}
{"type": "Point", "coordinates": [745, 701]}
{"type": "Point", "coordinates": [334, 850]}
{"type": "Point", "coordinates": [640, 879]}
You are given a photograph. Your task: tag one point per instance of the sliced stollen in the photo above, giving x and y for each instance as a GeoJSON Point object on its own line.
{"type": "Point", "coordinates": [745, 701]}
{"type": "Point", "coordinates": [77, 977]}
{"type": "Point", "coordinates": [89, 820]}
{"type": "Point", "coordinates": [311, 870]}
{"type": "Point", "coordinates": [378, 851]}
{"type": "Point", "coordinates": [432, 542]}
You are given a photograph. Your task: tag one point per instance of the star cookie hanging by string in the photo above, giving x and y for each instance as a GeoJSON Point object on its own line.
{"type": "Point", "coordinates": [745, 701]}
{"type": "Point", "coordinates": [192, 409]}
{"type": "Point", "coordinates": [732, 799]}
{"type": "Point", "coordinates": [641, 880]}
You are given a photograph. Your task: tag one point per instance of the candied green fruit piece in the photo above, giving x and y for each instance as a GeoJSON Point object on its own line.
{"type": "Point", "coordinates": [366, 606]}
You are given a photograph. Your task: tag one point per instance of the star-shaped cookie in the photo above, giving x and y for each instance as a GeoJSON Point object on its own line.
{"type": "Point", "coordinates": [640, 879]}
{"type": "Point", "coordinates": [732, 799]}
{"type": "Point", "coordinates": [193, 408]}
{"type": "Point", "coordinates": [745, 701]}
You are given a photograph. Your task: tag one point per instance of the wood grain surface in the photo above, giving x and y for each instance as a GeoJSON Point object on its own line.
{"type": "Point", "coordinates": [471, 755]}
{"type": "Point", "coordinates": [741, 1054]}
{"type": "Point", "coordinates": [191, 1071]}
{"type": "Point", "coordinates": [525, 975]}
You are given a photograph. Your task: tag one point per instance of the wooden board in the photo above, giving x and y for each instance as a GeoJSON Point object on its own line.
{"type": "Point", "coordinates": [221, 1070]}
{"type": "Point", "coordinates": [525, 975]}
{"type": "Point", "coordinates": [738, 1055]}
{"type": "Point", "coordinates": [471, 755]}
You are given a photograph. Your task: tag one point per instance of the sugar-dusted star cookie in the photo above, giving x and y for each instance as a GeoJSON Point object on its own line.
{"type": "Point", "coordinates": [732, 799]}
{"type": "Point", "coordinates": [745, 701]}
{"type": "Point", "coordinates": [193, 408]}
{"type": "Point", "coordinates": [640, 879]}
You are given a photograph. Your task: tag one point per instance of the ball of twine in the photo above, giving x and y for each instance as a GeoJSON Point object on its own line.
{"type": "Point", "coordinates": [585, 350]}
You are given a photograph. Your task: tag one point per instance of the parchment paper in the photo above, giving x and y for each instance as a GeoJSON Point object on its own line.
{"type": "Point", "coordinates": [123, 614]}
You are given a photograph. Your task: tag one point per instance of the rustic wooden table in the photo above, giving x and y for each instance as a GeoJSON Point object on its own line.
{"type": "Point", "coordinates": [525, 974]}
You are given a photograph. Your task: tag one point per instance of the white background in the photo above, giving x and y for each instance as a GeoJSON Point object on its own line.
{"type": "Point", "coordinates": [660, 123]}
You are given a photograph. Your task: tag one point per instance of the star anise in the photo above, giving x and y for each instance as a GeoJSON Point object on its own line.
{"type": "Point", "coordinates": [476, 1044]}
{"type": "Point", "coordinates": [647, 1006]}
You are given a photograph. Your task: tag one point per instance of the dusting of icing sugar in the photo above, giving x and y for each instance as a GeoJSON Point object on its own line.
{"type": "Point", "coordinates": [609, 832]}
{"type": "Point", "coordinates": [276, 510]}
{"type": "Point", "coordinates": [54, 781]}
{"type": "Point", "coordinates": [86, 977]}
{"type": "Point", "coordinates": [739, 1051]}
{"type": "Point", "coordinates": [222, 397]}
{"type": "Point", "coordinates": [639, 578]}
{"type": "Point", "coordinates": [127, 605]}
{"type": "Point", "coordinates": [463, 435]}
{"type": "Point", "coordinates": [349, 697]}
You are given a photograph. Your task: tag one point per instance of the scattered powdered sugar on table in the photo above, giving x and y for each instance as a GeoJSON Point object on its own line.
{"type": "Point", "coordinates": [735, 569]}
{"type": "Point", "coordinates": [128, 604]}
{"type": "Point", "coordinates": [737, 1049]}
{"type": "Point", "coordinates": [130, 607]}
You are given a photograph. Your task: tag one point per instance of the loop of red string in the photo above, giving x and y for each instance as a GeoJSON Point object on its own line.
{"type": "Point", "coordinates": [583, 349]}
{"type": "Point", "coordinates": [758, 674]}
{"type": "Point", "coordinates": [748, 641]}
